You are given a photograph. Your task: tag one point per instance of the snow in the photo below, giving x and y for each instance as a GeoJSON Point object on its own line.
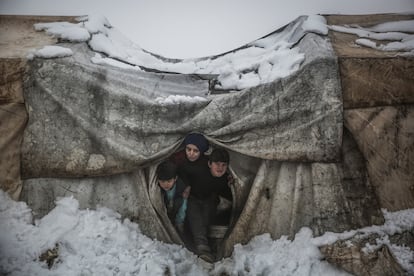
{"type": "Point", "coordinates": [262, 256]}
{"type": "Point", "coordinates": [316, 24]}
{"type": "Point", "coordinates": [90, 242]}
{"type": "Point", "coordinates": [98, 59]}
{"type": "Point", "coordinates": [64, 30]}
{"type": "Point", "coordinates": [102, 43]}
{"type": "Point", "coordinates": [398, 34]}
{"type": "Point", "coordinates": [259, 62]}
{"type": "Point", "coordinates": [98, 242]}
{"type": "Point", "coordinates": [51, 51]}
{"type": "Point", "coordinates": [184, 29]}
{"type": "Point", "coordinates": [174, 99]}
{"type": "Point", "coordinates": [402, 26]}
{"type": "Point", "coordinates": [96, 23]}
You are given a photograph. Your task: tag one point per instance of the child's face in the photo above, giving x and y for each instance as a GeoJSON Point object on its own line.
{"type": "Point", "coordinates": [218, 169]}
{"type": "Point", "coordinates": [192, 152]}
{"type": "Point", "coordinates": [167, 184]}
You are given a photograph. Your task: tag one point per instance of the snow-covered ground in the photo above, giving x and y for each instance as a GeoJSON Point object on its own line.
{"type": "Point", "coordinates": [98, 242]}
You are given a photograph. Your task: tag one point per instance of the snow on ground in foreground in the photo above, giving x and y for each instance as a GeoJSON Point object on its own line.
{"type": "Point", "coordinates": [97, 242]}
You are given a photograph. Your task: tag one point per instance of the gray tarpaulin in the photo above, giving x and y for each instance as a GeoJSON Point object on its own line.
{"type": "Point", "coordinates": [87, 119]}
{"type": "Point", "coordinates": [98, 132]}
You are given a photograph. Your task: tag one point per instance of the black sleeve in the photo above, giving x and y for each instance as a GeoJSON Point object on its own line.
{"type": "Point", "coordinates": [180, 187]}
{"type": "Point", "coordinates": [183, 174]}
{"type": "Point", "coordinates": [225, 190]}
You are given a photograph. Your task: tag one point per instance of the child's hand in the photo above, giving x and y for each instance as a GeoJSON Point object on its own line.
{"type": "Point", "coordinates": [186, 192]}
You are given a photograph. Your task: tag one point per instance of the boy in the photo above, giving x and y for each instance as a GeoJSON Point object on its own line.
{"type": "Point", "coordinates": [174, 193]}
{"type": "Point", "coordinates": [210, 183]}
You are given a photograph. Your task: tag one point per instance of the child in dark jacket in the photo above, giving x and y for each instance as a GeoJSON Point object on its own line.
{"type": "Point", "coordinates": [210, 183]}
{"type": "Point", "coordinates": [192, 159]}
{"type": "Point", "coordinates": [174, 192]}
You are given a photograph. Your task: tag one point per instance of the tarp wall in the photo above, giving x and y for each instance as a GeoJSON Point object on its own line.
{"type": "Point", "coordinates": [13, 118]}
{"type": "Point", "coordinates": [378, 97]}
{"type": "Point", "coordinates": [92, 120]}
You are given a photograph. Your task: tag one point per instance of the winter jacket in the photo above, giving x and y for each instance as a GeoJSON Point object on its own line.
{"type": "Point", "coordinates": [189, 171]}
{"type": "Point", "coordinates": [204, 185]}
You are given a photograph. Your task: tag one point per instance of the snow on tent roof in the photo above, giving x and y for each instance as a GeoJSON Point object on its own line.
{"type": "Point", "coordinates": [261, 61]}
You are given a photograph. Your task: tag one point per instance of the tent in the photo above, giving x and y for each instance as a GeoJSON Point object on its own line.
{"type": "Point", "coordinates": [98, 132]}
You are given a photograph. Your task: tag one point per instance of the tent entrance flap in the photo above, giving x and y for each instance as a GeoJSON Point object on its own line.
{"type": "Point", "coordinates": [268, 197]}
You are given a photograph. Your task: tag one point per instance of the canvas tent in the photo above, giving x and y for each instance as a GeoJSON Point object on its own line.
{"type": "Point", "coordinates": [97, 133]}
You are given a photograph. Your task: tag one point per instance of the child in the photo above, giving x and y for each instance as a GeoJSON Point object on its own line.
{"type": "Point", "coordinates": [175, 193]}
{"type": "Point", "coordinates": [210, 183]}
{"type": "Point", "coordinates": [192, 160]}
